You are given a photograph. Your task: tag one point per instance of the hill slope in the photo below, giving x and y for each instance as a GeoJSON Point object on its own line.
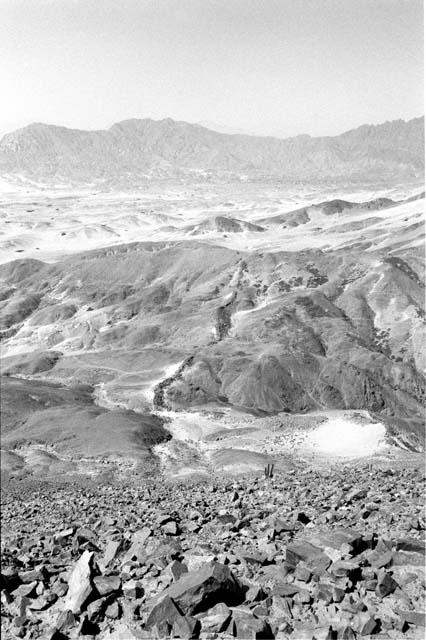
{"type": "Point", "coordinates": [266, 332]}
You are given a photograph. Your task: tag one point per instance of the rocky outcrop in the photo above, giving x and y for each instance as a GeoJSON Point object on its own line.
{"type": "Point", "coordinates": [307, 554]}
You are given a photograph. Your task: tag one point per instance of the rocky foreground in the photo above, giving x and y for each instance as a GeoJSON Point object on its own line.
{"type": "Point", "coordinates": [336, 553]}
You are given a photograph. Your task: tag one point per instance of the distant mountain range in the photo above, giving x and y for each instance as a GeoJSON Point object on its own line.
{"type": "Point", "coordinates": [134, 149]}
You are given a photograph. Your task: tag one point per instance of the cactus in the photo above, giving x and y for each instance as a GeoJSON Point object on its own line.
{"type": "Point", "coordinates": [269, 471]}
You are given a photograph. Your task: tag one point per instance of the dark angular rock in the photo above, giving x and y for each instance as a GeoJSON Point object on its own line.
{"type": "Point", "coordinates": [303, 518]}
{"type": "Point", "coordinates": [410, 545]}
{"type": "Point", "coordinates": [302, 573]}
{"type": "Point", "coordinates": [251, 559]}
{"type": "Point", "coordinates": [20, 621]}
{"type": "Point", "coordinates": [379, 560]}
{"type": "Point", "coordinates": [61, 536]}
{"type": "Point", "coordinates": [255, 593]}
{"type": "Point", "coordinates": [284, 526]}
{"type": "Point", "coordinates": [338, 594]}
{"type": "Point", "coordinates": [164, 611]}
{"type": "Point", "coordinates": [107, 584]}
{"type": "Point", "coordinates": [95, 610]}
{"type": "Point", "coordinates": [226, 518]}
{"type": "Point", "coordinates": [199, 590]}
{"type": "Point", "coordinates": [87, 627]}
{"type": "Point", "coordinates": [344, 568]}
{"type": "Point", "coordinates": [84, 534]}
{"type": "Point", "coordinates": [248, 627]}
{"type": "Point", "coordinates": [66, 621]}
{"type": "Point", "coordinates": [112, 550]}
{"type": "Point", "coordinates": [346, 633]}
{"type": "Point", "coordinates": [323, 592]}
{"type": "Point", "coordinates": [416, 618]}
{"type": "Point", "coordinates": [285, 590]}
{"type": "Point", "coordinates": [365, 624]}
{"type": "Point", "coordinates": [355, 494]}
{"type": "Point", "coordinates": [313, 557]}
{"type": "Point", "coordinates": [385, 585]}
{"type": "Point", "coordinates": [186, 627]}
{"type": "Point", "coordinates": [177, 569]}
{"type": "Point", "coordinates": [9, 579]}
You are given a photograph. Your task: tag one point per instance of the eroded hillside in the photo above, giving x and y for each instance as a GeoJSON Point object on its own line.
{"type": "Point", "coordinates": [183, 324]}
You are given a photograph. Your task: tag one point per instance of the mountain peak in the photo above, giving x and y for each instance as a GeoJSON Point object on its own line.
{"type": "Point", "coordinates": [141, 147]}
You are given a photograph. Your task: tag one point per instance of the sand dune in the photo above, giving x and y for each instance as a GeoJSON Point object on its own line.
{"type": "Point", "coordinates": [51, 226]}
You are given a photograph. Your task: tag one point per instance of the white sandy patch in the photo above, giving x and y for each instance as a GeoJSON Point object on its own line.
{"type": "Point", "coordinates": [345, 438]}
{"type": "Point", "coordinates": [200, 441]}
{"type": "Point", "coordinates": [189, 426]}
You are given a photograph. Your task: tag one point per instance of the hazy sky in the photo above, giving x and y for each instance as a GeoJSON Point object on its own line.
{"type": "Point", "coordinates": [279, 67]}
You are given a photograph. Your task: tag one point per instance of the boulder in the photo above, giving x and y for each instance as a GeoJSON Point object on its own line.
{"type": "Point", "coordinates": [199, 590]}
{"type": "Point", "coordinates": [313, 557]}
{"type": "Point", "coordinates": [336, 538]}
{"type": "Point", "coordinates": [164, 611]}
{"type": "Point", "coordinates": [80, 585]}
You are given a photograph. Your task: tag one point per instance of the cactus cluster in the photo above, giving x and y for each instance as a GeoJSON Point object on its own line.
{"type": "Point", "coordinates": [269, 471]}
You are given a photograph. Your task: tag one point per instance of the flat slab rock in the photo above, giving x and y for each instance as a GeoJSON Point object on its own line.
{"type": "Point", "coordinates": [336, 538]}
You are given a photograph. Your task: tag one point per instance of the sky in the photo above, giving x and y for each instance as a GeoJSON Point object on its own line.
{"type": "Point", "coordinates": [270, 67]}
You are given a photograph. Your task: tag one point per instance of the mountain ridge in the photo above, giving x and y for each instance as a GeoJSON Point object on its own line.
{"type": "Point", "coordinates": [211, 128]}
{"type": "Point", "coordinates": [138, 148]}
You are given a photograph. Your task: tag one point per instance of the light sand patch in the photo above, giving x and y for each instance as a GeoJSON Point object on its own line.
{"type": "Point", "coordinates": [345, 438]}
{"type": "Point", "coordinates": [234, 441]}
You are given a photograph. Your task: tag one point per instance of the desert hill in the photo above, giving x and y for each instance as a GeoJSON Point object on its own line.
{"type": "Point", "coordinates": [267, 332]}
{"type": "Point", "coordinates": [136, 149]}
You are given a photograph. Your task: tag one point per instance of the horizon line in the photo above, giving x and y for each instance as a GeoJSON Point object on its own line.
{"type": "Point", "coordinates": [200, 126]}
